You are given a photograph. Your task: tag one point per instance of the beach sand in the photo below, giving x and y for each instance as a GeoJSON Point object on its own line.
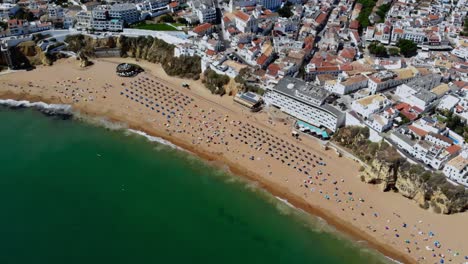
{"type": "Point", "coordinates": [258, 146]}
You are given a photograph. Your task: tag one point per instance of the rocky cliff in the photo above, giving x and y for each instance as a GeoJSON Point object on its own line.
{"type": "Point", "coordinates": [147, 48]}
{"type": "Point", "coordinates": [386, 168]}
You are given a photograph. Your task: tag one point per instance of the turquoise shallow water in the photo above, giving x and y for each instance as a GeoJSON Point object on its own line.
{"type": "Point", "coordinates": [72, 192]}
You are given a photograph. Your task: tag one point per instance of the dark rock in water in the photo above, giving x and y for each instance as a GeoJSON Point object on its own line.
{"type": "Point", "coordinates": [58, 113]}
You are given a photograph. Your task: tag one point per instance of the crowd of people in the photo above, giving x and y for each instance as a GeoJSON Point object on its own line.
{"type": "Point", "coordinates": [253, 143]}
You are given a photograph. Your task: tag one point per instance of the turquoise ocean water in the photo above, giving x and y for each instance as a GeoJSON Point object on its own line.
{"type": "Point", "coordinates": [72, 192]}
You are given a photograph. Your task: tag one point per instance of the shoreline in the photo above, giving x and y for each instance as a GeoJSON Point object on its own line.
{"type": "Point", "coordinates": [208, 126]}
{"type": "Point", "coordinates": [290, 199]}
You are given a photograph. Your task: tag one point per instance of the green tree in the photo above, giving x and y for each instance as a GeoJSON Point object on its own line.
{"type": "Point", "coordinates": [465, 27]}
{"type": "Point", "coordinates": [23, 14]}
{"type": "Point", "coordinates": [285, 11]}
{"type": "Point", "coordinates": [377, 49]}
{"type": "Point", "coordinates": [393, 51]}
{"type": "Point", "coordinates": [366, 11]}
{"type": "Point", "coordinates": [407, 47]}
{"type": "Point", "coordinates": [182, 20]}
{"type": "Point", "coordinates": [167, 19]}
{"type": "Point", "coordinates": [215, 82]}
{"type": "Point", "coordinates": [382, 12]}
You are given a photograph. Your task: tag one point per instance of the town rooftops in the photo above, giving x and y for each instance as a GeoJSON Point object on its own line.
{"type": "Point", "coordinates": [379, 98]}
{"type": "Point", "coordinates": [426, 96]}
{"type": "Point", "coordinates": [202, 28]}
{"type": "Point", "coordinates": [417, 131]}
{"type": "Point", "coordinates": [289, 85]}
{"type": "Point", "coordinates": [459, 162]}
{"type": "Point", "coordinates": [453, 149]}
{"type": "Point", "coordinates": [441, 89]}
{"type": "Point", "coordinates": [242, 16]}
{"type": "Point", "coordinates": [420, 83]}
{"type": "Point", "coordinates": [440, 137]}
{"type": "Point", "coordinates": [354, 79]}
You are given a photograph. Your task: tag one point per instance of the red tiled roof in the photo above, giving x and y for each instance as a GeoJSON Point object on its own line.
{"type": "Point", "coordinates": [202, 28]}
{"type": "Point", "coordinates": [461, 84]}
{"type": "Point", "coordinates": [262, 59]}
{"type": "Point", "coordinates": [321, 18]}
{"type": "Point", "coordinates": [453, 149]}
{"type": "Point", "coordinates": [459, 108]}
{"type": "Point", "coordinates": [409, 112]}
{"type": "Point", "coordinates": [347, 67]}
{"type": "Point", "coordinates": [417, 131]}
{"type": "Point", "coordinates": [273, 69]}
{"type": "Point", "coordinates": [348, 53]}
{"type": "Point", "coordinates": [226, 19]}
{"type": "Point", "coordinates": [173, 4]}
{"type": "Point", "coordinates": [210, 52]}
{"type": "Point", "coordinates": [354, 24]}
{"type": "Point", "coordinates": [241, 15]}
{"type": "Point", "coordinates": [441, 137]}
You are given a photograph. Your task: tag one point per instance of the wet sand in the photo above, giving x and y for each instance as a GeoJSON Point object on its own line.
{"type": "Point", "coordinates": [254, 145]}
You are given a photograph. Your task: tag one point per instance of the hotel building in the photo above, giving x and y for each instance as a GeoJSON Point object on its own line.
{"type": "Point", "coordinates": [305, 102]}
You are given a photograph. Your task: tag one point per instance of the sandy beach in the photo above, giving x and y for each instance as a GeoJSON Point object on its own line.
{"type": "Point", "coordinates": [258, 146]}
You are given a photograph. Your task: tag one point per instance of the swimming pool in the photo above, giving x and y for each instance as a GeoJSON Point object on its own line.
{"type": "Point", "coordinates": [313, 129]}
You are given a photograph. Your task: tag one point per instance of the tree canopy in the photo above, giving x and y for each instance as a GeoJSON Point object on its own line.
{"type": "Point", "coordinates": [377, 49]}
{"type": "Point", "coordinates": [285, 11]}
{"type": "Point", "coordinates": [366, 11]}
{"type": "Point", "coordinates": [407, 47]}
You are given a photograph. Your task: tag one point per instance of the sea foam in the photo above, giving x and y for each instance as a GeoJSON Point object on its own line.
{"type": "Point", "coordinates": [50, 109]}
{"type": "Point", "coordinates": [155, 139]}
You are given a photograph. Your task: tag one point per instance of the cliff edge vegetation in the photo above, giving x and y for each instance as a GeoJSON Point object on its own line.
{"type": "Point", "coordinates": [147, 48]}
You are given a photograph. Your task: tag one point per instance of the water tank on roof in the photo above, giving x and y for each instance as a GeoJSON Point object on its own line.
{"type": "Point", "coordinates": [290, 85]}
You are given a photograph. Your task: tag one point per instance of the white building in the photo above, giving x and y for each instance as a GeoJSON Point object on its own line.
{"type": "Point", "coordinates": [457, 168]}
{"type": "Point", "coordinates": [125, 12]}
{"type": "Point", "coordinates": [83, 19]}
{"type": "Point", "coordinates": [304, 102]}
{"type": "Point", "coordinates": [128, 13]}
{"type": "Point", "coordinates": [185, 50]}
{"type": "Point", "coordinates": [107, 25]}
{"type": "Point", "coordinates": [448, 102]}
{"type": "Point", "coordinates": [204, 10]}
{"type": "Point", "coordinates": [9, 9]}
{"type": "Point", "coordinates": [379, 122]}
{"type": "Point", "coordinates": [55, 11]}
{"type": "Point", "coordinates": [438, 139]}
{"type": "Point", "coordinates": [416, 35]}
{"type": "Point", "coordinates": [245, 23]}
{"type": "Point", "coordinates": [234, 4]}
{"type": "Point", "coordinates": [403, 142]}
{"type": "Point", "coordinates": [417, 92]}
{"type": "Point", "coordinates": [344, 85]}
{"type": "Point", "coordinates": [86, 20]}
{"type": "Point", "coordinates": [370, 105]}
{"type": "Point", "coordinates": [430, 154]}
{"type": "Point", "coordinates": [153, 8]}
{"type": "Point", "coordinates": [461, 52]}
{"type": "Point", "coordinates": [388, 79]}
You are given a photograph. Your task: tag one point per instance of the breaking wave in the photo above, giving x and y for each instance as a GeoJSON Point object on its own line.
{"type": "Point", "coordinates": [155, 139]}
{"type": "Point", "coordinates": [49, 109]}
